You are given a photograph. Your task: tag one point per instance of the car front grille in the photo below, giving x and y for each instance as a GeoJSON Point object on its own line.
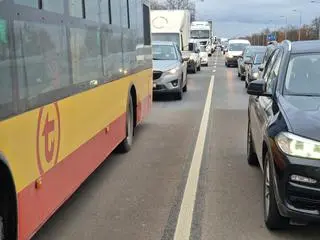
{"type": "Point", "coordinates": [156, 75]}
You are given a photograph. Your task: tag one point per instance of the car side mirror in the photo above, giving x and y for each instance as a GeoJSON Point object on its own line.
{"type": "Point", "coordinates": [257, 88]}
{"type": "Point", "coordinates": [185, 59]}
{"type": "Point", "coordinates": [248, 61]}
{"type": "Point", "coordinates": [261, 68]}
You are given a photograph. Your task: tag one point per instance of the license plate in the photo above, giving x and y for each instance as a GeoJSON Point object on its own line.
{"type": "Point", "coordinates": [154, 85]}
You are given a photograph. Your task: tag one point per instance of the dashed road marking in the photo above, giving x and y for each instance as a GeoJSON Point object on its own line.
{"type": "Point", "coordinates": [184, 223]}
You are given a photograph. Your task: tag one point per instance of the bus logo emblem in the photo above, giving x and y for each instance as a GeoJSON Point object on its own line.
{"type": "Point", "coordinates": [48, 137]}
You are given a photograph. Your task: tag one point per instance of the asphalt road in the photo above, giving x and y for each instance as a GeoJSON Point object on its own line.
{"type": "Point", "coordinates": [145, 193]}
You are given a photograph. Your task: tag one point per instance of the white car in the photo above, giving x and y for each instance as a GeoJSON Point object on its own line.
{"type": "Point", "coordinates": [234, 51]}
{"type": "Point", "coordinates": [204, 56]}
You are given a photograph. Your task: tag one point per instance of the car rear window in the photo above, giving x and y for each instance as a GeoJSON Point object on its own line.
{"type": "Point", "coordinates": [303, 75]}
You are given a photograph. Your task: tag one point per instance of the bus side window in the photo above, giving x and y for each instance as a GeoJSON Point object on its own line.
{"type": "Point", "coordinates": [30, 3]}
{"type": "Point", "coordinates": [115, 12]}
{"type": "Point", "coordinates": [6, 90]}
{"type": "Point", "coordinates": [54, 6]}
{"type": "Point", "coordinates": [146, 25]}
{"type": "Point", "coordinates": [76, 8]}
{"type": "Point", "coordinates": [42, 60]}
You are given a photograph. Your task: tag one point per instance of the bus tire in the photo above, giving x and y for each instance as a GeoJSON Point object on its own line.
{"type": "Point", "coordinates": [8, 206]}
{"type": "Point", "coordinates": [126, 145]}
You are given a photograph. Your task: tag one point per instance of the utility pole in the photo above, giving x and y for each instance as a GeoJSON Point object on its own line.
{"type": "Point", "coordinates": [285, 29]}
{"type": "Point", "coordinates": [295, 10]}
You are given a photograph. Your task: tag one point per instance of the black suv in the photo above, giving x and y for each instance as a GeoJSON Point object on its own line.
{"type": "Point", "coordinates": [284, 133]}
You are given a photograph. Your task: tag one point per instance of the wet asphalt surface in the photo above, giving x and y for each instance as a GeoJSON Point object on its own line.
{"type": "Point", "coordinates": [138, 195]}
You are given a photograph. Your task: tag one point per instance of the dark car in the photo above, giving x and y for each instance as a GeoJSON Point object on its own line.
{"type": "Point", "coordinates": [252, 68]}
{"type": "Point", "coordinates": [249, 52]}
{"type": "Point", "coordinates": [284, 133]}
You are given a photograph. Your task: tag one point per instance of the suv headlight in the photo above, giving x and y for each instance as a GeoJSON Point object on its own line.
{"type": "Point", "coordinates": [297, 146]}
{"type": "Point", "coordinates": [173, 70]}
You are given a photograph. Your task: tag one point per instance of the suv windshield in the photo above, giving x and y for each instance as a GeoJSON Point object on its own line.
{"type": "Point", "coordinates": [237, 46]}
{"type": "Point", "coordinates": [164, 52]}
{"type": "Point", "coordinates": [303, 76]}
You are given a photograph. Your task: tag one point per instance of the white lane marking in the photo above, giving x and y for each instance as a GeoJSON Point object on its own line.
{"type": "Point", "coordinates": [213, 71]}
{"type": "Point", "coordinates": [183, 227]}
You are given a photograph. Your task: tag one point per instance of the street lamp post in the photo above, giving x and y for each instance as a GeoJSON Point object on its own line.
{"type": "Point", "coordinates": [285, 29]}
{"type": "Point", "coordinates": [295, 10]}
{"type": "Point", "coordinates": [318, 19]}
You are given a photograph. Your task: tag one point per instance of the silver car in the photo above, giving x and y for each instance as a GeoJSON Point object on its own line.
{"type": "Point", "coordinates": [169, 69]}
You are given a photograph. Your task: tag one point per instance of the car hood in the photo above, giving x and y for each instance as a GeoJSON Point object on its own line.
{"type": "Point", "coordinates": [164, 65]}
{"type": "Point", "coordinates": [235, 53]}
{"type": "Point", "coordinates": [303, 115]}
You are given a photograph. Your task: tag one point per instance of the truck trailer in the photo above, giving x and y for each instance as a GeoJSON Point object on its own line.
{"type": "Point", "coordinates": [171, 25]}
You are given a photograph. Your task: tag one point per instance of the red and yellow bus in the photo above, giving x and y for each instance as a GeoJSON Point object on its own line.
{"type": "Point", "coordinates": [75, 79]}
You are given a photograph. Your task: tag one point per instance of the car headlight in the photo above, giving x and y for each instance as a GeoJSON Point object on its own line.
{"type": "Point", "coordinates": [174, 70]}
{"type": "Point", "coordinates": [297, 146]}
{"type": "Point", "coordinates": [255, 75]}
{"type": "Point", "coordinates": [230, 56]}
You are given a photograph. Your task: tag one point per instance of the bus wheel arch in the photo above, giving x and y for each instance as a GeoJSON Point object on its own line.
{"type": "Point", "coordinates": [131, 121]}
{"type": "Point", "coordinates": [8, 202]}
{"type": "Point", "coordinates": [133, 95]}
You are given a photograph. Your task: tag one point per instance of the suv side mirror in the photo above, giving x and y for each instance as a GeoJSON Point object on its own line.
{"type": "Point", "coordinates": [261, 67]}
{"type": "Point", "coordinates": [257, 88]}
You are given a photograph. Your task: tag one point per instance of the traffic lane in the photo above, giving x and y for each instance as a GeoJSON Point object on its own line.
{"type": "Point", "coordinates": [136, 195]}
{"type": "Point", "coordinates": [230, 198]}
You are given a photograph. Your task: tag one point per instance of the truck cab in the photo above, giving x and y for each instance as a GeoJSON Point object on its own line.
{"type": "Point", "coordinates": [202, 32]}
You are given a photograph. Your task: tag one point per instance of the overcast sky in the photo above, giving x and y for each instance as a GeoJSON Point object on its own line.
{"type": "Point", "coordinates": [240, 17]}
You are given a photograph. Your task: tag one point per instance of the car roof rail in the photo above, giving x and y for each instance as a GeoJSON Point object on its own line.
{"type": "Point", "coordinates": [288, 43]}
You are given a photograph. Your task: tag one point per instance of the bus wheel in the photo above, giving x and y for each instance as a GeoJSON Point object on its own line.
{"type": "Point", "coordinates": [126, 144]}
{"type": "Point", "coordinates": [8, 223]}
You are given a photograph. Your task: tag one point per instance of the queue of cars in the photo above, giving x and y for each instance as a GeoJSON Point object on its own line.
{"type": "Point", "coordinates": [283, 135]}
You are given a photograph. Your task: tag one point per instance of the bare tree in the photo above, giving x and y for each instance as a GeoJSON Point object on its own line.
{"type": "Point", "coordinates": [175, 5]}
{"type": "Point", "coordinates": [155, 5]}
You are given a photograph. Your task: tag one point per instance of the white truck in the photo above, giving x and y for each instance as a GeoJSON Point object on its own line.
{"type": "Point", "coordinates": [202, 32]}
{"type": "Point", "coordinates": [171, 25]}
